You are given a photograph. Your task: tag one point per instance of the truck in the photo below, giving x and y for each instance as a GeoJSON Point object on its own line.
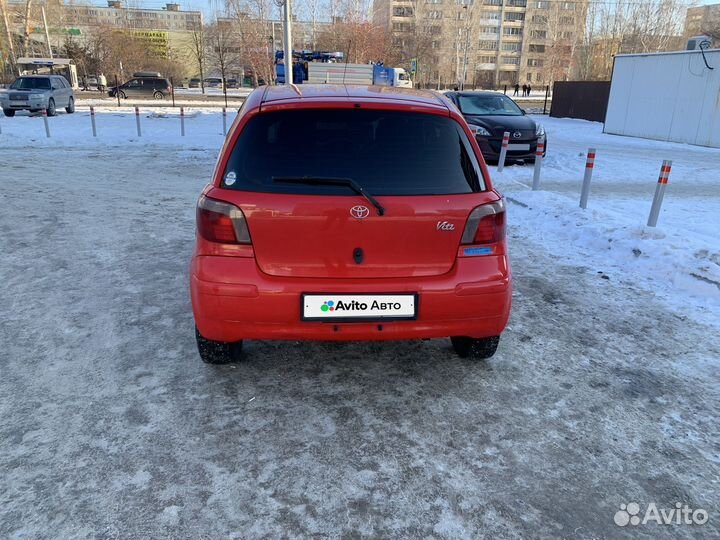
{"type": "Point", "coordinates": [318, 67]}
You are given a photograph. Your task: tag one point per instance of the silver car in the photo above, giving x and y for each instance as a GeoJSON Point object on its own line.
{"type": "Point", "coordinates": [37, 92]}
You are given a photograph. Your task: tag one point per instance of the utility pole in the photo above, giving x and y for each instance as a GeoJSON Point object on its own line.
{"type": "Point", "coordinates": [288, 57]}
{"type": "Point", "coordinates": [467, 45]}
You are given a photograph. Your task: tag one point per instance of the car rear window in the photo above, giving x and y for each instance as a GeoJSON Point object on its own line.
{"type": "Point", "coordinates": [31, 83]}
{"type": "Point", "coordinates": [386, 152]}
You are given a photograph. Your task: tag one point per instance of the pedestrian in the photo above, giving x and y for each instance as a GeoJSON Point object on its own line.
{"type": "Point", "coordinates": [524, 87]}
{"type": "Point", "coordinates": [102, 83]}
{"type": "Point", "coordinates": [85, 83]}
{"type": "Point", "coordinates": [517, 89]}
{"type": "Point", "coordinates": [528, 90]}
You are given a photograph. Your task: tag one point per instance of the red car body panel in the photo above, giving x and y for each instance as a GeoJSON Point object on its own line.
{"type": "Point", "coordinates": [302, 244]}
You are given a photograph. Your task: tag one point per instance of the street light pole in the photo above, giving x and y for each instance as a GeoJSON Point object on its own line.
{"type": "Point", "coordinates": [287, 54]}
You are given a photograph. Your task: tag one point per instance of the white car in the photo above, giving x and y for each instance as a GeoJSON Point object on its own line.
{"type": "Point", "coordinates": [36, 93]}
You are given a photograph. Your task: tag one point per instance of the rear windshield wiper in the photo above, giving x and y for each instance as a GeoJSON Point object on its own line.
{"type": "Point", "coordinates": [325, 181]}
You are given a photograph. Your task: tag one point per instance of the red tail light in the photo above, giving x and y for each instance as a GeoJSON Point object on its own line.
{"type": "Point", "coordinates": [486, 224]}
{"type": "Point", "coordinates": [221, 222]}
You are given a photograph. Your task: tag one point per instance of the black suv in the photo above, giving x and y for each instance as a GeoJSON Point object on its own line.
{"type": "Point", "coordinates": [144, 85]}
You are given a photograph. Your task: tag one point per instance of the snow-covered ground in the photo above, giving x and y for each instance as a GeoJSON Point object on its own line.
{"type": "Point", "coordinates": [605, 389]}
{"type": "Point", "coordinates": [679, 259]}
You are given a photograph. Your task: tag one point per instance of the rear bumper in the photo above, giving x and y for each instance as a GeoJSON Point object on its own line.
{"type": "Point", "coordinates": [233, 300]}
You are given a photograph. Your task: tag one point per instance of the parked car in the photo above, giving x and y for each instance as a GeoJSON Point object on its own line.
{"type": "Point", "coordinates": [490, 114]}
{"type": "Point", "coordinates": [213, 82]}
{"type": "Point", "coordinates": [349, 213]}
{"type": "Point", "coordinates": [194, 83]}
{"type": "Point", "coordinates": [232, 83]}
{"type": "Point", "coordinates": [35, 93]}
{"type": "Point", "coordinates": [142, 85]}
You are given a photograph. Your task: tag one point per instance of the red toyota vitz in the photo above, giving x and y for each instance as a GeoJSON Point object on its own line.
{"type": "Point", "coordinates": [349, 213]}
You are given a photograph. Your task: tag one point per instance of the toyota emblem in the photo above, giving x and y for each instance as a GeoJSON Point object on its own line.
{"type": "Point", "coordinates": [517, 135]}
{"type": "Point", "coordinates": [359, 211]}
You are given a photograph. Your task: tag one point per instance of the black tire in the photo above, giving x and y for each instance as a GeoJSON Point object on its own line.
{"type": "Point", "coordinates": [158, 95]}
{"type": "Point", "coordinates": [218, 352]}
{"type": "Point", "coordinates": [467, 347]}
{"type": "Point", "coordinates": [51, 110]}
{"type": "Point", "coordinates": [71, 106]}
{"type": "Point", "coordinates": [122, 95]}
{"type": "Point", "coordinates": [9, 113]}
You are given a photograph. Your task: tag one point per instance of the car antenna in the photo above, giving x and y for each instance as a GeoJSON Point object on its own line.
{"type": "Point", "coordinates": [346, 61]}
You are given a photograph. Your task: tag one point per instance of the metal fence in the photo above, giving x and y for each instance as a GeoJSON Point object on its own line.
{"type": "Point", "coordinates": [587, 100]}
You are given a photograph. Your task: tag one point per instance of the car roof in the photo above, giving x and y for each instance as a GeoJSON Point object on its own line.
{"type": "Point", "coordinates": [476, 93]}
{"type": "Point", "coordinates": [39, 76]}
{"type": "Point", "coordinates": [360, 94]}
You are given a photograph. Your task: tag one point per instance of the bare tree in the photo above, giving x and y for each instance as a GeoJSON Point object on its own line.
{"type": "Point", "coordinates": [198, 52]}
{"type": "Point", "coordinates": [223, 50]}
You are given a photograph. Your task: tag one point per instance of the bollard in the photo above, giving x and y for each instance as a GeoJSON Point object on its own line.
{"type": "Point", "coordinates": [224, 121]}
{"type": "Point", "coordinates": [182, 121]}
{"type": "Point", "coordinates": [47, 125]}
{"type": "Point", "coordinates": [538, 163]}
{"type": "Point", "coordinates": [659, 192]}
{"type": "Point", "coordinates": [589, 165]}
{"type": "Point", "coordinates": [92, 119]}
{"type": "Point", "coordinates": [0, 129]}
{"type": "Point", "coordinates": [137, 120]}
{"type": "Point", "coordinates": [503, 150]}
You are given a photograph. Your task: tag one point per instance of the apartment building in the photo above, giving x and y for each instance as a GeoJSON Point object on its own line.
{"type": "Point", "coordinates": [162, 29]}
{"type": "Point", "coordinates": [703, 20]}
{"type": "Point", "coordinates": [485, 43]}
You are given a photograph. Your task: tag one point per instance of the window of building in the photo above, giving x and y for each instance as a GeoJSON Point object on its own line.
{"type": "Point", "coordinates": [433, 30]}
{"type": "Point", "coordinates": [486, 59]}
{"type": "Point", "coordinates": [529, 77]}
{"type": "Point", "coordinates": [542, 4]}
{"type": "Point", "coordinates": [514, 16]}
{"type": "Point", "coordinates": [487, 45]}
{"type": "Point", "coordinates": [568, 35]}
{"type": "Point", "coordinates": [516, 3]}
{"type": "Point", "coordinates": [433, 1]}
{"type": "Point", "coordinates": [402, 11]}
{"type": "Point", "coordinates": [537, 48]}
{"type": "Point", "coordinates": [509, 47]}
{"type": "Point", "coordinates": [465, 2]}
{"type": "Point", "coordinates": [511, 60]}
{"type": "Point", "coordinates": [488, 29]}
{"type": "Point", "coordinates": [539, 34]}
{"type": "Point", "coordinates": [490, 15]}
{"type": "Point", "coordinates": [567, 20]}
{"type": "Point", "coordinates": [535, 62]}
{"type": "Point", "coordinates": [492, 2]}
{"type": "Point", "coordinates": [538, 77]}
{"type": "Point", "coordinates": [539, 19]}
{"type": "Point", "coordinates": [434, 15]}
{"type": "Point", "coordinates": [512, 31]}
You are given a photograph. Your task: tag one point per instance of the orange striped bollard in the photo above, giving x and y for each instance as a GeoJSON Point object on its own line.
{"type": "Point", "coordinates": [503, 150]}
{"type": "Point", "coordinates": [659, 192]}
{"type": "Point", "coordinates": [589, 165]}
{"type": "Point", "coordinates": [538, 163]}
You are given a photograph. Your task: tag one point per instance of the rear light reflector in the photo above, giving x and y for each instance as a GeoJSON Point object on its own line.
{"type": "Point", "coordinates": [486, 224]}
{"type": "Point", "coordinates": [221, 222]}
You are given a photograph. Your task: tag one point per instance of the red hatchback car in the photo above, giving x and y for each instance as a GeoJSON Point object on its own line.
{"type": "Point", "coordinates": [349, 213]}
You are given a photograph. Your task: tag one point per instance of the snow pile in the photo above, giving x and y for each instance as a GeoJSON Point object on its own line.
{"type": "Point", "coordinates": [679, 259]}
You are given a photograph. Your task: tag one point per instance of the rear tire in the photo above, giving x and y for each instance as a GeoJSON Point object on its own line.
{"type": "Point", "coordinates": [9, 113]}
{"type": "Point", "coordinates": [71, 106]}
{"type": "Point", "coordinates": [467, 347]}
{"type": "Point", "coordinates": [51, 110]}
{"type": "Point", "coordinates": [159, 96]}
{"type": "Point", "coordinates": [218, 352]}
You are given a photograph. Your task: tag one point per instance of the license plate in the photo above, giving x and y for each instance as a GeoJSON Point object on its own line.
{"type": "Point", "coordinates": [319, 307]}
{"type": "Point", "coordinates": [18, 103]}
{"type": "Point", "coordinates": [518, 147]}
